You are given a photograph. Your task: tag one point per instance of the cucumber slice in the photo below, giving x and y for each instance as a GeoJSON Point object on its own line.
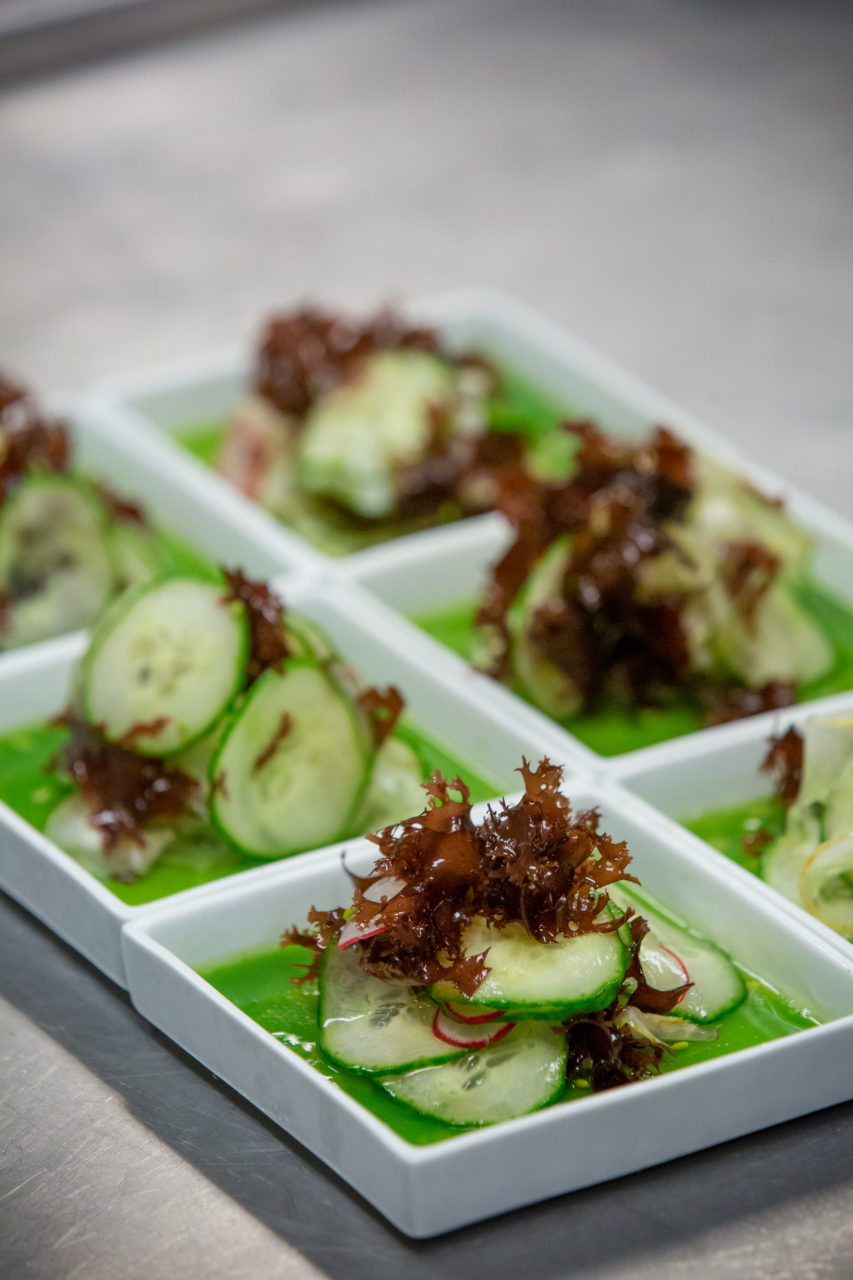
{"type": "Point", "coordinates": [293, 764]}
{"type": "Point", "coordinates": [68, 826]}
{"type": "Point", "coordinates": [549, 981]}
{"type": "Point", "coordinates": [826, 884]}
{"type": "Point", "coordinates": [521, 1073]}
{"type": "Point", "coordinates": [717, 985]}
{"type": "Point", "coordinates": [55, 565]}
{"type": "Point", "coordinates": [726, 509]}
{"type": "Point", "coordinates": [309, 638]}
{"type": "Point", "coordinates": [395, 790]}
{"type": "Point", "coordinates": [780, 643]}
{"type": "Point", "coordinates": [375, 1027]}
{"type": "Point", "coordinates": [358, 436]}
{"type": "Point", "coordinates": [783, 860]}
{"type": "Point", "coordinates": [138, 554]}
{"type": "Point", "coordinates": [546, 684]}
{"type": "Point", "coordinates": [170, 655]}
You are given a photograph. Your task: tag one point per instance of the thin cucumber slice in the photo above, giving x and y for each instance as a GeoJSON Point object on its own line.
{"type": "Point", "coordinates": [292, 766]}
{"type": "Point", "coordinates": [372, 1026]}
{"type": "Point", "coordinates": [717, 985]}
{"type": "Point", "coordinates": [164, 663]}
{"type": "Point", "coordinates": [521, 1073]}
{"type": "Point", "coordinates": [546, 684]}
{"type": "Point", "coordinates": [56, 572]}
{"type": "Point", "coordinates": [781, 642]}
{"type": "Point", "coordinates": [550, 981]}
{"type": "Point", "coordinates": [68, 826]}
{"type": "Point", "coordinates": [783, 860]}
{"type": "Point", "coordinates": [826, 884]}
{"type": "Point", "coordinates": [357, 438]}
{"type": "Point", "coordinates": [310, 640]}
{"type": "Point", "coordinates": [395, 790]}
{"type": "Point", "coordinates": [138, 554]}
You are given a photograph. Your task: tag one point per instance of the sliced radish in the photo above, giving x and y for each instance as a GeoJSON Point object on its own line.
{"type": "Point", "coordinates": [388, 887]}
{"type": "Point", "coordinates": [662, 968]}
{"type": "Point", "coordinates": [459, 1013]}
{"type": "Point", "coordinates": [660, 1028]}
{"type": "Point", "coordinates": [452, 1032]}
{"type": "Point", "coordinates": [354, 932]}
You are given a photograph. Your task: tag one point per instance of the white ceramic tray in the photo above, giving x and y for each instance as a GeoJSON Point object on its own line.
{"type": "Point", "coordinates": [34, 685]}
{"type": "Point", "coordinates": [428, 1190]}
{"type": "Point", "coordinates": [684, 779]}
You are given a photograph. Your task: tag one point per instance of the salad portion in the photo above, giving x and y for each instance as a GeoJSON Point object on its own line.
{"type": "Point", "coordinates": [483, 971]}
{"type": "Point", "coordinates": [360, 430]}
{"type": "Point", "coordinates": [67, 543]}
{"type": "Point", "coordinates": [207, 717]}
{"type": "Point", "coordinates": [650, 586]}
{"type": "Point", "coordinates": [801, 839]}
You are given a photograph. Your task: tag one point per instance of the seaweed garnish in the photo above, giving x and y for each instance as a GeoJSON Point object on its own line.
{"type": "Point", "coordinates": [268, 642]}
{"type": "Point", "coordinates": [535, 863]}
{"type": "Point", "coordinates": [29, 441]}
{"type": "Point", "coordinates": [122, 790]}
{"type": "Point", "coordinates": [616, 636]}
{"type": "Point", "coordinates": [784, 763]}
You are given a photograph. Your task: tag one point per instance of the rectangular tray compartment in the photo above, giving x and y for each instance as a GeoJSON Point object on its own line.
{"type": "Point", "coordinates": [718, 770]}
{"type": "Point", "coordinates": [428, 1190]}
{"type": "Point", "coordinates": [34, 686]}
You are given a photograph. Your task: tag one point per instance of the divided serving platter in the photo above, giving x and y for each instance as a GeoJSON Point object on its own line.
{"type": "Point", "coordinates": [123, 431]}
{"type": "Point", "coordinates": [428, 1190]}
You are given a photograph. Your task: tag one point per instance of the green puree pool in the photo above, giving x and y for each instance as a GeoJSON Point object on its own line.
{"type": "Point", "coordinates": [260, 984]}
{"type": "Point", "coordinates": [612, 731]}
{"type": "Point", "coordinates": [725, 828]}
{"type": "Point", "coordinates": [30, 787]}
{"type": "Point", "coordinates": [520, 406]}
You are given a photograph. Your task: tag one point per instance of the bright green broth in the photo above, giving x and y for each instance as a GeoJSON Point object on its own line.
{"type": "Point", "coordinates": [725, 828]}
{"type": "Point", "coordinates": [32, 788]}
{"type": "Point", "coordinates": [260, 984]}
{"type": "Point", "coordinates": [612, 730]}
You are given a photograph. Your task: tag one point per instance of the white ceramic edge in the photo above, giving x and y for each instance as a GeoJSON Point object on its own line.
{"type": "Point", "coordinates": [691, 760]}
{"type": "Point", "coordinates": [426, 1191]}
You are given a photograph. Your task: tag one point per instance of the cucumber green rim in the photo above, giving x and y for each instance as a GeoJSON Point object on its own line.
{"type": "Point", "coordinates": [114, 614]}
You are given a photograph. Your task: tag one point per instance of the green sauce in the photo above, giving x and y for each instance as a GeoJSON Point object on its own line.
{"type": "Point", "coordinates": [613, 731]}
{"type": "Point", "coordinates": [33, 789]}
{"type": "Point", "coordinates": [725, 828]}
{"type": "Point", "coordinates": [184, 558]}
{"type": "Point", "coordinates": [260, 985]}
{"type": "Point", "coordinates": [520, 406]}
{"type": "Point", "coordinates": [204, 440]}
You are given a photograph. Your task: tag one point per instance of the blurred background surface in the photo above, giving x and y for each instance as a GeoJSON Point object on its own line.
{"type": "Point", "coordinates": [672, 180]}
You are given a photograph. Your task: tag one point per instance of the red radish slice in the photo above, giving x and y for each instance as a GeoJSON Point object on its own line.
{"type": "Point", "coordinates": [662, 968]}
{"type": "Point", "coordinates": [388, 887]}
{"type": "Point", "coordinates": [462, 1037]}
{"type": "Point", "coordinates": [353, 932]}
{"type": "Point", "coordinates": [459, 1013]}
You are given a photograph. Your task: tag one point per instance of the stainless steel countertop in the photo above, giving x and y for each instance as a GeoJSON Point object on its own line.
{"type": "Point", "coordinates": [670, 179]}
